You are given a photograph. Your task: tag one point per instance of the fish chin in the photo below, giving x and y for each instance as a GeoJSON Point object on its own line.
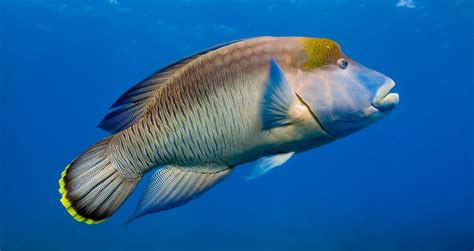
{"type": "Point", "coordinates": [342, 127]}
{"type": "Point", "coordinates": [383, 103]}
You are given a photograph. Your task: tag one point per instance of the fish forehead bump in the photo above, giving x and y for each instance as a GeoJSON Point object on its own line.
{"type": "Point", "coordinates": [320, 52]}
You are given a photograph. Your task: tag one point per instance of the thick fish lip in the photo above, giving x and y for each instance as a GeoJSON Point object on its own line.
{"type": "Point", "coordinates": [384, 99]}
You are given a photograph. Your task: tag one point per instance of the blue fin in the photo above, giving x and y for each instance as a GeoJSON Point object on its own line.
{"type": "Point", "coordinates": [265, 164]}
{"type": "Point", "coordinates": [132, 105]}
{"type": "Point", "coordinates": [172, 187]}
{"type": "Point", "coordinates": [277, 98]}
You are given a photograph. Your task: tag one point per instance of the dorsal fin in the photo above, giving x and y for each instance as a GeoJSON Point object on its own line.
{"type": "Point", "coordinates": [133, 104]}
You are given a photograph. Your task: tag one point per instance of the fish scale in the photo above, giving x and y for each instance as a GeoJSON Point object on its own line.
{"type": "Point", "coordinates": [194, 121]}
{"type": "Point", "coordinates": [185, 119]}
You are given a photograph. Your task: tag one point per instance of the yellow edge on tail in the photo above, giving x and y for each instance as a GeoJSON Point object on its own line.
{"type": "Point", "coordinates": [67, 204]}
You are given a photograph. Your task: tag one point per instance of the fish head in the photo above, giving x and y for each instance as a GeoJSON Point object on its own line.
{"type": "Point", "coordinates": [342, 94]}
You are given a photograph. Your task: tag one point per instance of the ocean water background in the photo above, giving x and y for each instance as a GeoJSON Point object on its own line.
{"type": "Point", "coordinates": [404, 183]}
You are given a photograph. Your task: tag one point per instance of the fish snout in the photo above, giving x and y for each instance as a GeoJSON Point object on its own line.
{"type": "Point", "coordinates": [384, 99]}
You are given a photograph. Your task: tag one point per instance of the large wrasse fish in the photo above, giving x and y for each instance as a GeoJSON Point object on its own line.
{"type": "Point", "coordinates": [194, 121]}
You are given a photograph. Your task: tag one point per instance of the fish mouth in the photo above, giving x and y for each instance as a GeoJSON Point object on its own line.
{"type": "Point", "coordinates": [384, 99]}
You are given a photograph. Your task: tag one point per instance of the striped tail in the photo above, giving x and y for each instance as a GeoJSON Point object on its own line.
{"type": "Point", "coordinates": [91, 187]}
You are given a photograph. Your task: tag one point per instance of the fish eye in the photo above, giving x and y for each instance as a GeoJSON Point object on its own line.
{"type": "Point", "coordinates": [342, 62]}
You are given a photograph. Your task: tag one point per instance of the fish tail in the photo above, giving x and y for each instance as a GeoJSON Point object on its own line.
{"type": "Point", "coordinates": [91, 187]}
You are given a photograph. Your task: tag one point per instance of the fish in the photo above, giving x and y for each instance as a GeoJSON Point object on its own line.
{"type": "Point", "coordinates": [261, 100]}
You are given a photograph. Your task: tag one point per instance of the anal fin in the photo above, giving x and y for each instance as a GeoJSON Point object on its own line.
{"type": "Point", "coordinates": [174, 186]}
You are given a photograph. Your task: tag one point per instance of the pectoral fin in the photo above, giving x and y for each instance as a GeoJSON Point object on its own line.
{"type": "Point", "coordinates": [278, 98]}
{"type": "Point", "coordinates": [175, 186]}
{"type": "Point", "coordinates": [266, 164]}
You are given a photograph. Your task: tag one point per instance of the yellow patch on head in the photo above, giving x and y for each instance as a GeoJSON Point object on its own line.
{"type": "Point", "coordinates": [67, 204]}
{"type": "Point", "coordinates": [320, 52]}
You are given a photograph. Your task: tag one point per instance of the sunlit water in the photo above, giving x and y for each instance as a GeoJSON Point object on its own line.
{"type": "Point", "coordinates": [405, 183]}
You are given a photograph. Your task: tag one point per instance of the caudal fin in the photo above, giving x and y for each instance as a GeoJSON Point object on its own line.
{"type": "Point", "coordinates": [91, 187]}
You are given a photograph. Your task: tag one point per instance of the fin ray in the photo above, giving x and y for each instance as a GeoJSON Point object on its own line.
{"type": "Point", "coordinates": [91, 188]}
{"type": "Point", "coordinates": [172, 187]}
{"type": "Point", "coordinates": [278, 98]}
{"type": "Point", "coordinates": [133, 104]}
{"type": "Point", "coordinates": [266, 164]}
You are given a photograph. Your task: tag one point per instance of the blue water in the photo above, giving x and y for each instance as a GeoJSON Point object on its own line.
{"type": "Point", "coordinates": [404, 183]}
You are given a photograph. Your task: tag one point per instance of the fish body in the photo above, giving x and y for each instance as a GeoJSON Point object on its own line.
{"type": "Point", "coordinates": [262, 99]}
{"type": "Point", "coordinates": [210, 112]}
